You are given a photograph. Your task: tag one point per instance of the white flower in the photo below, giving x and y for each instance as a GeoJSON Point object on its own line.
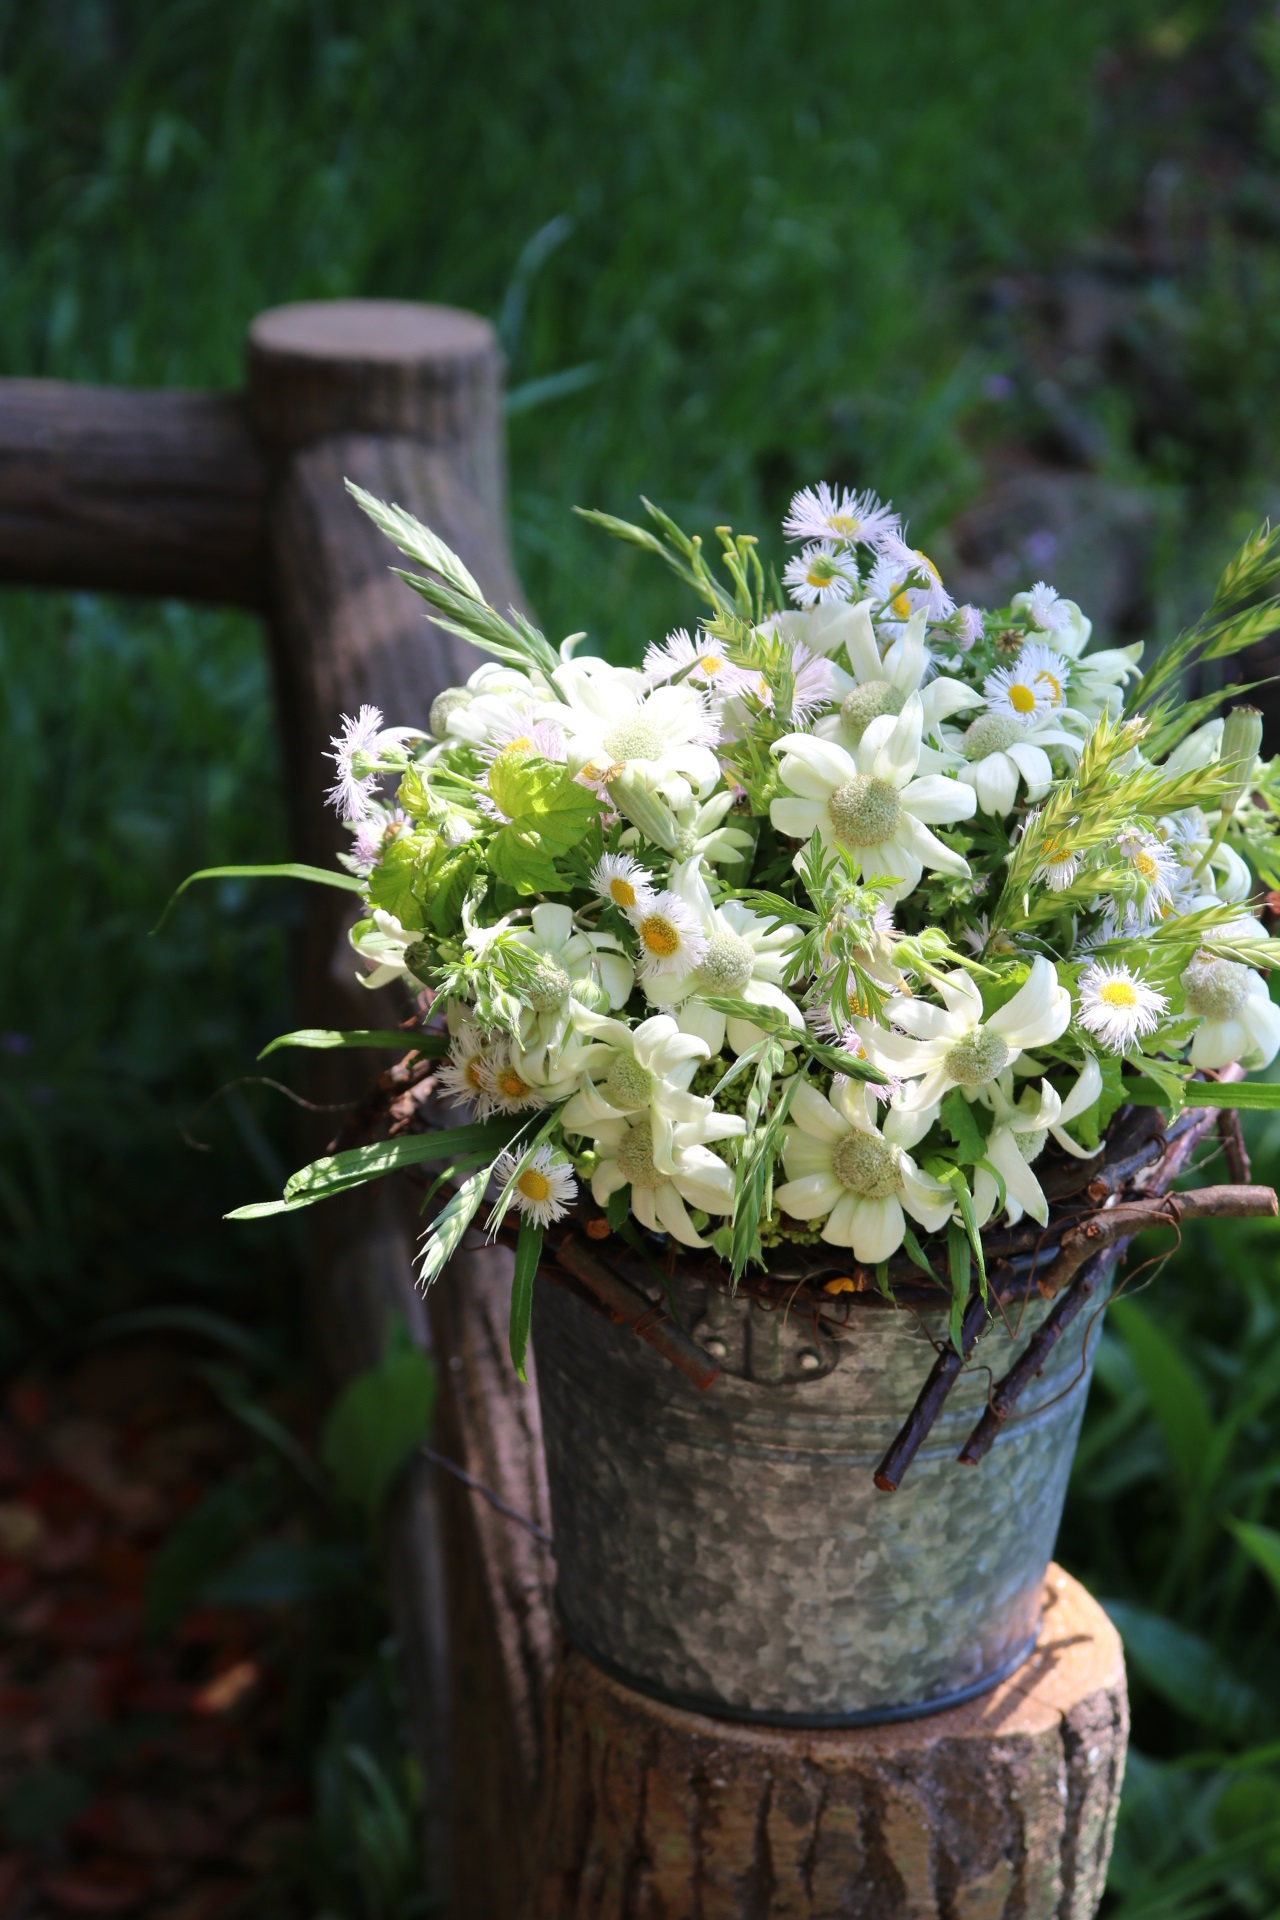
{"type": "Point", "coordinates": [545, 1190]}
{"type": "Point", "coordinates": [671, 939]}
{"type": "Point", "coordinates": [1047, 611]}
{"type": "Point", "coordinates": [1156, 870]}
{"type": "Point", "coordinates": [703, 661]}
{"type": "Point", "coordinates": [857, 519]}
{"type": "Point", "coordinates": [1059, 867]}
{"type": "Point", "coordinates": [1018, 1137]}
{"type": "Point", "coordinates": [969, 626]}
{"type": "Point", "coordinates": [1000, 751]}
{"type": "Point", "coordinates": [869, 802]}
{"type": "Point", "coordinates": [745, 959]}
{"type": "Point", "coordinates": [383, 942]}
{"type": "Point", "coordinates": [1239, 1020]}
{"type": "Point", "coordinates": [840, 1164]}
{"type": "Point", "coordinates": [905, 581]}
{"type": "Point", "coordinates": [954, 1046]}
{"type": "Point", "coordinates": [1033, 684]}
{"type": "Point", "coordinates": [700, 830]}
{"type": "Point", "coordinates": [465, 1074]}
{"type": "Point", "coordinates": [819, 577]}
{"type": "Point", "coordinates": [884, 686]}
{"type": "Point", "coordinates": [510, 1087]}
{"type": "Point", "coordinates": [616, 725]}
{"type": "Point", "coordinates": [643, 1070]}
{"type": "Point", "coordinates": [1116, 1005]}
{"type": "Point", "coordinates": [1044, 607]}
{"type": "Point", "coordinates": [566, 955]}
{"type": "Point", "coordinates": [352, 792]}
{"type": "Point", "coordinates": [658, 1196]}
{"type": "Point", "coordinates": [622, 880]}
{"type": "Point", "coordinates": [526, 730]}
{"type": "Point", "coordinates": [494, 699]}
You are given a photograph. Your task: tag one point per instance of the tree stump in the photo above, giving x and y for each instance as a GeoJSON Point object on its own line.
{"type": "Point", "coordinates": [1001, 1809]}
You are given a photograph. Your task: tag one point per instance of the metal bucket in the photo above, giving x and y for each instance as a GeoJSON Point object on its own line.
{"type": "Point", "coordinates": [727, 1551]}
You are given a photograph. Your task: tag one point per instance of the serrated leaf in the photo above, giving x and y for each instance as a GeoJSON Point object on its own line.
{"type": "Point", "coordinates": [958, 1120]}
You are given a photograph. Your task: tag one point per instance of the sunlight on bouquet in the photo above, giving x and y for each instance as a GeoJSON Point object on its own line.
{"type": "Point", "coordinates": [825, 920]}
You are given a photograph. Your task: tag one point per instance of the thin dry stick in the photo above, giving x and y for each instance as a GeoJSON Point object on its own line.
{"type": "Point", "coordinates": [929, 1401]}
{"type": "Point", "coordinates": [1234, 1150]}
{"type": "Point", "coordinates": [1131, 1216]}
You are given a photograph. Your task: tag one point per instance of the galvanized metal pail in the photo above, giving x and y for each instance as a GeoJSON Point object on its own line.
{"type": "Point", "coordinates": [727, 1551]}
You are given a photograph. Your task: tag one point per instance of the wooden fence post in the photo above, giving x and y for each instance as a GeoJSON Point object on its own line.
{"type": "Point", "coordinates": [586, 1798]}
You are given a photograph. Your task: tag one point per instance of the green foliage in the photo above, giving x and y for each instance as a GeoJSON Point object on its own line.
{"type": "Point", "coordinates": [547, 811]}
{"type": "Point", "coordinates": [528, 1254]}
{"type": "Point", "coordinates": [379, 1419]}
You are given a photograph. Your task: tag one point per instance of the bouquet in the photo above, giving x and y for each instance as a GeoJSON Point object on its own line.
{"type": "Point", "coordinates": [823, 924]}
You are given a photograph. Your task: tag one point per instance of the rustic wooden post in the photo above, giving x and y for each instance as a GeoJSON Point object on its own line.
{"type": "Point", "coordinates": [580, 1797]}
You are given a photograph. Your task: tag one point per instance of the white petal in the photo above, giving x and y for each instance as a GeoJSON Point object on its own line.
{"type": "Point", "coordinates": [859, 639]}
{"type": "Point", "coordinates": [674, 1216]}
{"type": "Point", "coordinates": [816, 1115]}
{"type": "Point", "coordinates": [798, 818]}
{"type": "Point", "coordinates": [938, 800]}
{"type": "Point", "coordinates": [927, 1200]}
{"type": "Point", "coordinates": [1039, 1011]}
{"type": "Point", "coordinates": [552, 923]}
{"type": "Point", "coordinates": [997, 783]}
{"type": "Point", "coordinates": [809, 1197]}
{"type": "Point", "coordinates": [697, 1018]}
{"type": "Point", "coordinates": [897, 756]}
{"type": "Point", "coordinates": [1020, 1182]}
{"type": "Point", "coordinates": [803, 1154]}
{"type": "Point", "coordinates": [825, 765]}
{"type": "Point", "coordinates": [904, 660]}
{"type": "Point", "coordinates": [1034, 766]}
{"type": "Point", "coordinates": [927, 849]}
{"type": "Point", "coordinates": [878, 1227]}
{"type": "Point", "coordinates": [1218, 1043]}
{"type": "Point", "coordinates": [943, 697]}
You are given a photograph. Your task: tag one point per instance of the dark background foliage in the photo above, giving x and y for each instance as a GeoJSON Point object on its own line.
{"type": "Point", "coordinates": [1014, 265]}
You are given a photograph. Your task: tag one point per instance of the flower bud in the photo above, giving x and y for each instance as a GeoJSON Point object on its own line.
{"type": "Point", "coordinates": [1241, 739]}
{"type": "Point", "coordinates": [590, 994]}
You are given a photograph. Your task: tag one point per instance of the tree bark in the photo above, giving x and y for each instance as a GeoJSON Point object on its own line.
{"type": "Point", "coordinates": [1002, 1809]}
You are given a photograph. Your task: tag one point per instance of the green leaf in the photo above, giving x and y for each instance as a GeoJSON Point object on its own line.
{"type": "Point", "coordinates": [528, 1254]}
{"type": "Point", "coordinates": [434, 1045]}
{"type": "Point", "coordinates": [1174, 1394]}
{"type": "Point", "coordinates": [1190, 1674]}
{"type": "Point", "coordinates": [203, 1541]}
{"type": "Point", "coordinates": [338, 1172]}
{"type": "Point", "coordinates": [378, 1420]}
{"type": "Point", "coordinates": [955, 1179]}
{"type": "Point", "coordinates": [1245, 1095]}
{"type": "Point", "coordinates": [1262, 1544]}
{"type": "Point", "coordinates": [958, 1120]}
{"type": "Point", "coordinates": [959, 1265]}
{"type": "Point", "coordinates": [286, 870]}
{"type": "Point", "coordinates": [917, 1253]}
{"type": "Point", "coordinates": [617, 1207]}
{"type": "Point", "coordinates": [395, 884]}
{"type": "Point", "coordinates": [446, 1232]}
{"type": "Point", "coordinates": [549, 813]}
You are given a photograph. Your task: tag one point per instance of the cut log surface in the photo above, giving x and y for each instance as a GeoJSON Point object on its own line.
{"type": "Point", "coordinates": [1002, 1809]}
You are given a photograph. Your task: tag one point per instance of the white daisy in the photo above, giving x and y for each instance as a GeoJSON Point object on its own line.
{"type": "Point", "coordinates": [465, 1075]}
{"type": "Point", "coordinates": [954, 1045]}
{"type": "Point", "coordinates": [352, 792]}
{"type": "Point", "coordinates": [526, 730]}
{"type": "Point", "coordinates": [1239, 1020]}
{"type": "Point", "coordinates": [509, 1088]}
{"type": "Point", "coordinates": [1032, 685]}
{"type": "Point", "coordinates": [671, 938]}
{"type": "Point", "coordinates": [870, 803]}
{"type": "Point", "coordinates": [905, 581]}
{"type": "Point", "coordinates": [841, 1165]}
{"type": "Point", "coordinates": [1117, 1005]}
{"type": "Point", "coordinates": [704, 662]}
{"type": "Point", "coordinates": [1059, 867]}
{"type": "Point", "coordinates": [545, 1190]}
{"type": "Point", "coordinates": [817, 577]}
{"type": "Point", "coordinates": [857, 519]}
{"type": "Point", "coordinates": [1155, 868]}
{"type": "Point", "coordinates": [622, 880]}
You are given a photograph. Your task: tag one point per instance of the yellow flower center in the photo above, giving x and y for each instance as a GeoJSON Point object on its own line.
{"type": "Point", "coordinates": [622, 893]}
{"type": "Point", "coordinates": [533, 1185]}
{"type": "Point", "coordinates": [658, 936]}
{"type": "Point", "coordinates": [1046, 679]}
{"type": "Point", "coordinates": [900, 606]}
{"type": "Point", "coordinates": [510, 1085]}
{"type": "Point", "coordinates": [1145, 865]}
{"type": "Point", "coordinates": [711, 664]}
{"type": "Point", "coordinates": [521, 744]}
{"type": "Point", "coordinates": [1118, 993]}
{"type": "Point", "coordinates": [821, 574]}
{"type": "Point", "coordinates": [1021, 698]}
{"type": "Point", "coordinates": [928, 566]}
{"type": "Point", "coordinates": [845, 524]}
{"type": "Point", "coordinates": [473, 1073]}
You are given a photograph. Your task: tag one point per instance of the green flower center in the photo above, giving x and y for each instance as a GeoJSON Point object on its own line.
{"type": "Point", "coordinates": [1031, 1145]}
{"type": "Point", "coordinates": [992, 733]}
{"type": "Point", "coordinates": [1216, 988]}
{"type": "Point", "coordinates": [442, 706]}
{"type": "Point", "coordinates": [634, 740]}
{"type": "Point", "coordinates": [635, 1156]}
{"type": "Point", "coordinates": [628, 1083]}
{"type": "Point", "coordinates": [864, 812]}
{"type": "Point", "coordinates": [865, 1164]}
{"type": "Point", "coordinates": [728, 965]}
{"type": "Point", "coordinates": [977, 1059]}
{"type": "Point", "coordinates": [549, 987]}
{"type": "Point", "coordinates": [866, 703]}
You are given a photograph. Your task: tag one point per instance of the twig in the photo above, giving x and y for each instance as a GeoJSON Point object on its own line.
{"type": "Point", "coordinates": [1131, 1216]}
{"type": "Point", "coordinates": [628, 1307]}
{"type": "Point", "coordinates": [495, 1500]}
{"type": "Point", "coordinates": [1234, 1150]}
{"type": "Point", "coordinates": [1039, 1347]}
{"type": "Point", "coordinates": [929, 1401]}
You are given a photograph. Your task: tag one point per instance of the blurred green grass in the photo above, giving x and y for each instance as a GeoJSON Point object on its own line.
{"type": "Point", "coordinates": [727, 253]}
